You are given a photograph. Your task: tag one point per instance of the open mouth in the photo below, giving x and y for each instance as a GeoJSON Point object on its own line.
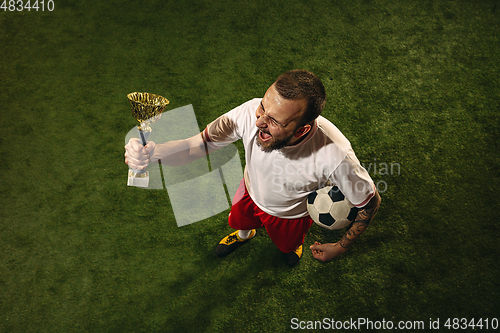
{"type": "Point", "coordinates": [264, 137]}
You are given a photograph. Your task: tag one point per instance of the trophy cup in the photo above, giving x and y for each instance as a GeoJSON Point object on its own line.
{"type": "Point", "coordinates": [146, 108]}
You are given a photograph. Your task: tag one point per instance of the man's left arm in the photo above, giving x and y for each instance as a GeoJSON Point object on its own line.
{"type": "Point", "coordinates": [326, 252]}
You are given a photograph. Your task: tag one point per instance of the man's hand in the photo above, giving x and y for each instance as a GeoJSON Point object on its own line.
{"type": "Point", "coordinates": [138, 156]}
{"type": "Point", "coordinates": [326, 252]}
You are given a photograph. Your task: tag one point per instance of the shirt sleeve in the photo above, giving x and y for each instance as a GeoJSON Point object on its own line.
{"type": "Point", "coordinates": [229, 127]}
{"type": "Point", "coordinates": [354, 182]}
{"type": "Point", "coordinates": [220, 132]}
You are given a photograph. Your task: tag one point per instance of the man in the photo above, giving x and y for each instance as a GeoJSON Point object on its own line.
{"type": "Point", "coordinates": [290, 151]}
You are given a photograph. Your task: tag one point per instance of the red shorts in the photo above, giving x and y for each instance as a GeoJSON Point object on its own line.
{"type": "Point", "coordinates": [287, 234]}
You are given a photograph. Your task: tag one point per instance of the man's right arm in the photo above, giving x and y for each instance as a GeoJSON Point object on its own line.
{"type": "Point", "coordinates": [216, 135]}
{"type": "Point", "coordinates": [172, 153]}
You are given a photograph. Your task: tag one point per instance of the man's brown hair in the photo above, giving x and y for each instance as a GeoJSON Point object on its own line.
{"type": "Point", "coordinates": [301, 84]}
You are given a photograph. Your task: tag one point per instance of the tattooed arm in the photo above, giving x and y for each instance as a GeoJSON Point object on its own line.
{"type": "Point", "coordinates": [325, 252]}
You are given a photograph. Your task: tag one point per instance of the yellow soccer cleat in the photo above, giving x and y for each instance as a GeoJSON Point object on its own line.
{"type": "Point", "coordinates": [231, 242]}
{"type": "Point", "coordinates": [293, 257]}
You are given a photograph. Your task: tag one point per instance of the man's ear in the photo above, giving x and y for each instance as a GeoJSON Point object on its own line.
{"type": "Point", "coordinates": [302, 131]}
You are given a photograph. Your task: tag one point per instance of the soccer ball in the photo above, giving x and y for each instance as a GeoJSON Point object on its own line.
{"type": "Point", "coordinates": [329, 208]}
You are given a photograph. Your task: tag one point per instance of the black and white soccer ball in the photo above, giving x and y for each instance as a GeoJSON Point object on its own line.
{"type": "Point", "coordinates": [329, 208]}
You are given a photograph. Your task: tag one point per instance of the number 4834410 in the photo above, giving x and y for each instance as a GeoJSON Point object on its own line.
{"type": "Point", "coordinates": [19, 5]}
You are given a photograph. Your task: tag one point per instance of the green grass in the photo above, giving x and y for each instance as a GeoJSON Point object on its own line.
{"type": "Point", "coordinates": [408, 82]}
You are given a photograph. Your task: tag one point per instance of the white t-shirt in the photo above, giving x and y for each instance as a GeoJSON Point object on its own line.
{"type": "Point", "coordinates": [280, 181]}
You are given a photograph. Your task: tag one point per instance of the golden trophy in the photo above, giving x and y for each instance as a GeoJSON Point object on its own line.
{"type": "Point", "coordinates": [146, 109]}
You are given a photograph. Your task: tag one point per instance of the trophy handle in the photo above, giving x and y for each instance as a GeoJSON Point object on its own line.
{"type": "Point", "coordinates": [143, 135]}
{"type": "Point", "coordinates": [139, 177]}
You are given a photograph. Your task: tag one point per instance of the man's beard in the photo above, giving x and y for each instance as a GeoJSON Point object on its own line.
{"type": "Point", "coordinates": [275, 144]}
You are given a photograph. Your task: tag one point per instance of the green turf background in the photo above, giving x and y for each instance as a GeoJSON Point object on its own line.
{"type": "Point", "coordinates": [409, 82]}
